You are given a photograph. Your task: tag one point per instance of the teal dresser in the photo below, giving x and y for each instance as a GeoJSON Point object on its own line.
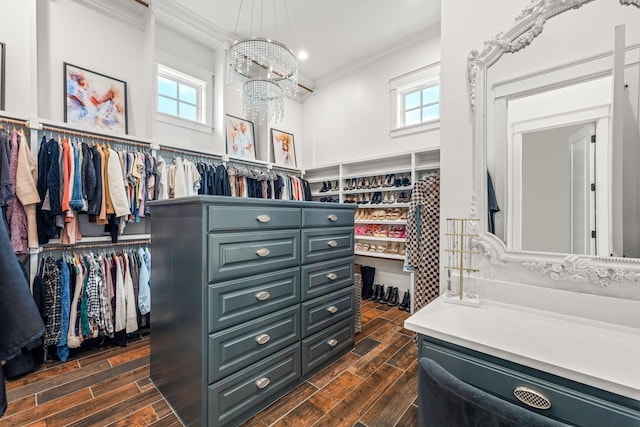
{"type": "Point", "coordinates": [250, 297]}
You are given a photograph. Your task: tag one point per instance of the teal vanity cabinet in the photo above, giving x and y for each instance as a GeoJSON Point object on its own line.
{"type": "Point", "coordinates": [250, 296]}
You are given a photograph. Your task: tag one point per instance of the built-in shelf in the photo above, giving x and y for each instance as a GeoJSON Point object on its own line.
{"type": "Point", "coordinates": [383, 205]}
{"type": "Point", "coordinates": [382, 221]}
{"type": "Point", "coordinates": [380, 239]}
{"type": "Point", "coordinates": [380, 255]}
{"type": "Point", "coordinates": [377, 189]}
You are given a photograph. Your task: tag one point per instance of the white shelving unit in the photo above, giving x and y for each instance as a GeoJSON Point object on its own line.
{"type": "Point", "coordinates": [415, 164]}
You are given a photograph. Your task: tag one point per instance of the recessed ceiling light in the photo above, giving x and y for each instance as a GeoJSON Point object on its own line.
{"type": "Point", "coordinates": [302, 55]}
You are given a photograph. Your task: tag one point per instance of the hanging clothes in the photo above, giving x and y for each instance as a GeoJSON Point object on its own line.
{"type": "Point", "coordinates": [26, 188]}
{"type": "Point", "coordinates": [16, 216]}
{"type": "Point", "coordinates": [423, 238]}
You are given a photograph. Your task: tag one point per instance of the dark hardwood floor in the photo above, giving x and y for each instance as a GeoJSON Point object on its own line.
{"type": "Point", "coordinates": [374, 385]}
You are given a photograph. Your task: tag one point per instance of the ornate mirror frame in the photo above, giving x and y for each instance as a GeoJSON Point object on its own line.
{"type": "Point", "coordinates": [593, 270]}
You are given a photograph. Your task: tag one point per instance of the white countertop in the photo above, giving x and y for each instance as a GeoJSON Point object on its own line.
{"type": "Point", "coordinates": [599, 354]}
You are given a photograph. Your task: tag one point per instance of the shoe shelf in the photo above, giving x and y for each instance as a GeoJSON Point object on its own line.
{"type": "Point", "coordinates": [380, 255]}
{"type": "Point", "coordinates": [378, 189]}
{"type": "Point", "coordinates": [380, 239]}
{"type": "Point", "coordinates": [382, 221]}
{"type": "Point", "coordinates": [324, 193]}
{"type": "Point", "coordinates": [383, 205]}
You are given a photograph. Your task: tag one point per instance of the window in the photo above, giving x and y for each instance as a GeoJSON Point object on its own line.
{"type": "Point", "coordinates": [415, 101]}
{"type": "Point", "coordinates": [421, 104]}
{"type": "Point", "coordinates": [180, 95]}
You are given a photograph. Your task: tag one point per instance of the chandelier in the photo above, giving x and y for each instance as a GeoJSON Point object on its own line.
{"type": "Point", "coordinates": [262, 71]}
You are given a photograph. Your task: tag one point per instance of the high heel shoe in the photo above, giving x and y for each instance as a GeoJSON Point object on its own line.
{"type": "Point", "coordinates": [406, 181]}
{"type": "Point", "coordinates": [324, 188]}
{"type": "Point", "coordinates": [391, 198]}
{"type": "Point", "coordinates": [386, 198]}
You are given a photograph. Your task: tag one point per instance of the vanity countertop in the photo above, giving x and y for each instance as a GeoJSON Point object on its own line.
{"type": "Point", "coordinates": [595, 353]}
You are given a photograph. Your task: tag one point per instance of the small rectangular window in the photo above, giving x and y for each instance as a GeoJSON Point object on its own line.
{"type": "Point", "coordinates": [421, 104]}
{"type": "Point", "coordinates": [180, 95]}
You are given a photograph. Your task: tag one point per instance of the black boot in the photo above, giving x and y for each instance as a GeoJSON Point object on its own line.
{"type": "Point", "coordinates": [368, 275]}
{"type": "Point", "coordinates": [324, 187]}
{"type": "Point", "coordinates": [387, 295]}
{"type": "Point", "coordinates": [380, 295]}
{"type": "Point", "coordinates": [406, 302]}
{"type": "Point", "coordinates": [394, 297]}
{"type": "Point", "coordinates": [374, 294]}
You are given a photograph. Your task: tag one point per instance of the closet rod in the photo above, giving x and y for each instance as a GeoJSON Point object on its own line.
{"type": "Point", "coordinates": [23, 123]}
{"type": "Point", "coordinates": [235, 160]}
{"type": "Point", "coordinates": [65, 130]}
{"type": "Point", "coordinates": [95, 245]}
{"type": "Point", "coordinates": [189, 152]}
{"type": "Point", "coordinates": [144, 3]}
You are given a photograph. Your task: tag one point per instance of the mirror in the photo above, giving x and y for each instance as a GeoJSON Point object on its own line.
{"type": "Point", "coordinates": [539, 99]}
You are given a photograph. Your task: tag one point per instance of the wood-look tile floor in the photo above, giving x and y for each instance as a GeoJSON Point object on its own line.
{"type": "Point", "coordinates": [374, 385]}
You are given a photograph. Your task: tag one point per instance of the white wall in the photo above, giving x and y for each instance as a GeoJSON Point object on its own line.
{"type": "Point", "coordinates": [348, 118]}
{"type": "Point", "coordinates": [69, 31]}
{"type": "Point", "coordinates": [18, 32]}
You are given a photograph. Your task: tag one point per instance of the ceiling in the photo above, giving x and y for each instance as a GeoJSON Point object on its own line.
{"type": "Point", "coordinates": [337, 34]}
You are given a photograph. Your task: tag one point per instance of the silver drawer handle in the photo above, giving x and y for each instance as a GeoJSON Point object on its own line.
{"type": "Point", "coordinates": [263, 218]}
{"type": "Point", "coordinates": [332, 243]}
{"type": "Point", "coordinates": [332, 276]}
{"type": "Point", "coordinates": [332, 342]}
{"type": "Point", "coordinates": [263, 339]}
{"type": "Point", "coordinates": [263, 382]}
{"type": "Point", "coordinates": [332, 309]}
{"type": "Point", "coordinates": [263, 252]}
{"type": "Point", "coordinates": [332, 218]}
{"type": "Point", "coordinates": [264, 295]}
{"type": "Point", "coordinates": [532, 398]}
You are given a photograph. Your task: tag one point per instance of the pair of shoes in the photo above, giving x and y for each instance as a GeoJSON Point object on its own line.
{"type": "Point", "coordinates": [406, 302]}
{"type": "Point", "coordinates": [376, 198]}
{"type": "Point", "coordinates": [326, 186]}
{"type": "Point", "coordinates": [389, 180]}
{"type": "Point", "coordinates": [391, 296]}
{"type": "Point", "coordinates": [403, 197]}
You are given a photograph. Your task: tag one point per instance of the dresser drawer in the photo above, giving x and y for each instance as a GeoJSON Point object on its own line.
{"type": "Point", "coordinates": [252, 218]}
{"type": "Point", "coordinates": [571, 402]}
{"type": "Point", "coordinates": [326, 345]}
{"type": "Point", "coordinates": [326, 310]}
{"type": "Point", "coordinates": [240, 346]}
{"type": "Point", "coordinates": [320, 244]}
{"type": "Point", "coordinates": [235, 398]}
{"type": "Point", "coordinates": [324, 277]}
{"type": "Point", "coordinates": [327, 217]}
{"type": "Point", "coordinates": [239, 300]}
{"type": "Point", "coordinates": [244, 254]}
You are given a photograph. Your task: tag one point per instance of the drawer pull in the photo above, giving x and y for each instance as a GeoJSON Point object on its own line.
{"type": "Point", "coordinates": [332, 276]}
{"type": "Point", "coordinates": [263, 252]}
{"type": "Point", "coordinates": [263, 382]}
{"type": "Point", "coordinates": [332, 309]}
{"type": "Point", "coordinates": [263, 218]}
{"type": "Point", "coordinates": [333, 218]}
{"type": "Point", "coordinates": [262, 296]}
{"type": "Point", "coordinates": [332, 342]}
{"type": "Point", "coordinates": [532, 398]}
{"type": "Point", "coordinates": [332, 243]}
{"type": "Point", "coordinates": [263, 339]}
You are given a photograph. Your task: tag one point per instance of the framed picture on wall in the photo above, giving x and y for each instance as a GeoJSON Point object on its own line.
{"type": "Point", "coordinates": [3, 49]}
{"type": "Point", "coordinates": [240, 137]}
{"type": "Point", "coordinates": [284, 152]}
{"type": "Point", "coordinates": [94, 100]}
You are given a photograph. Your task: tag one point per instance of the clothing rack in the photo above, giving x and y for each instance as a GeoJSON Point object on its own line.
{"type": "Point", "coordinates": [13, 121]}
{"type": "Point", "coordinates": [101, 137]}
{"type": "Point", "coordinates": [188, 152]}
{"type": "Point", "coordinates": [95, 245]}
{"type": "Point", "coordinates": [286, 170]}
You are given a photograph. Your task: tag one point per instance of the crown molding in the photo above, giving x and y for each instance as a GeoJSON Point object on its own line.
{"type": "Point", "coordinates": [173, 15]}
{"type": "Point", "coordinates": [127, 11]}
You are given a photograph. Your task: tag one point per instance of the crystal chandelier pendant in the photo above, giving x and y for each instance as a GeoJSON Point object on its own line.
{"type": "Point", "coordinates": [262, 71]}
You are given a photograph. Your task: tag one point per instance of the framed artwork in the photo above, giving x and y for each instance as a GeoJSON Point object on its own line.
{"type": "Point", "coordinates": [240, 138]}
{"type": "Point", "coordinates": [3, 49]}
{"type": "Point", "coordinates": [284, 152]}
{"type": "Point", "coordinates": [94, 100]}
